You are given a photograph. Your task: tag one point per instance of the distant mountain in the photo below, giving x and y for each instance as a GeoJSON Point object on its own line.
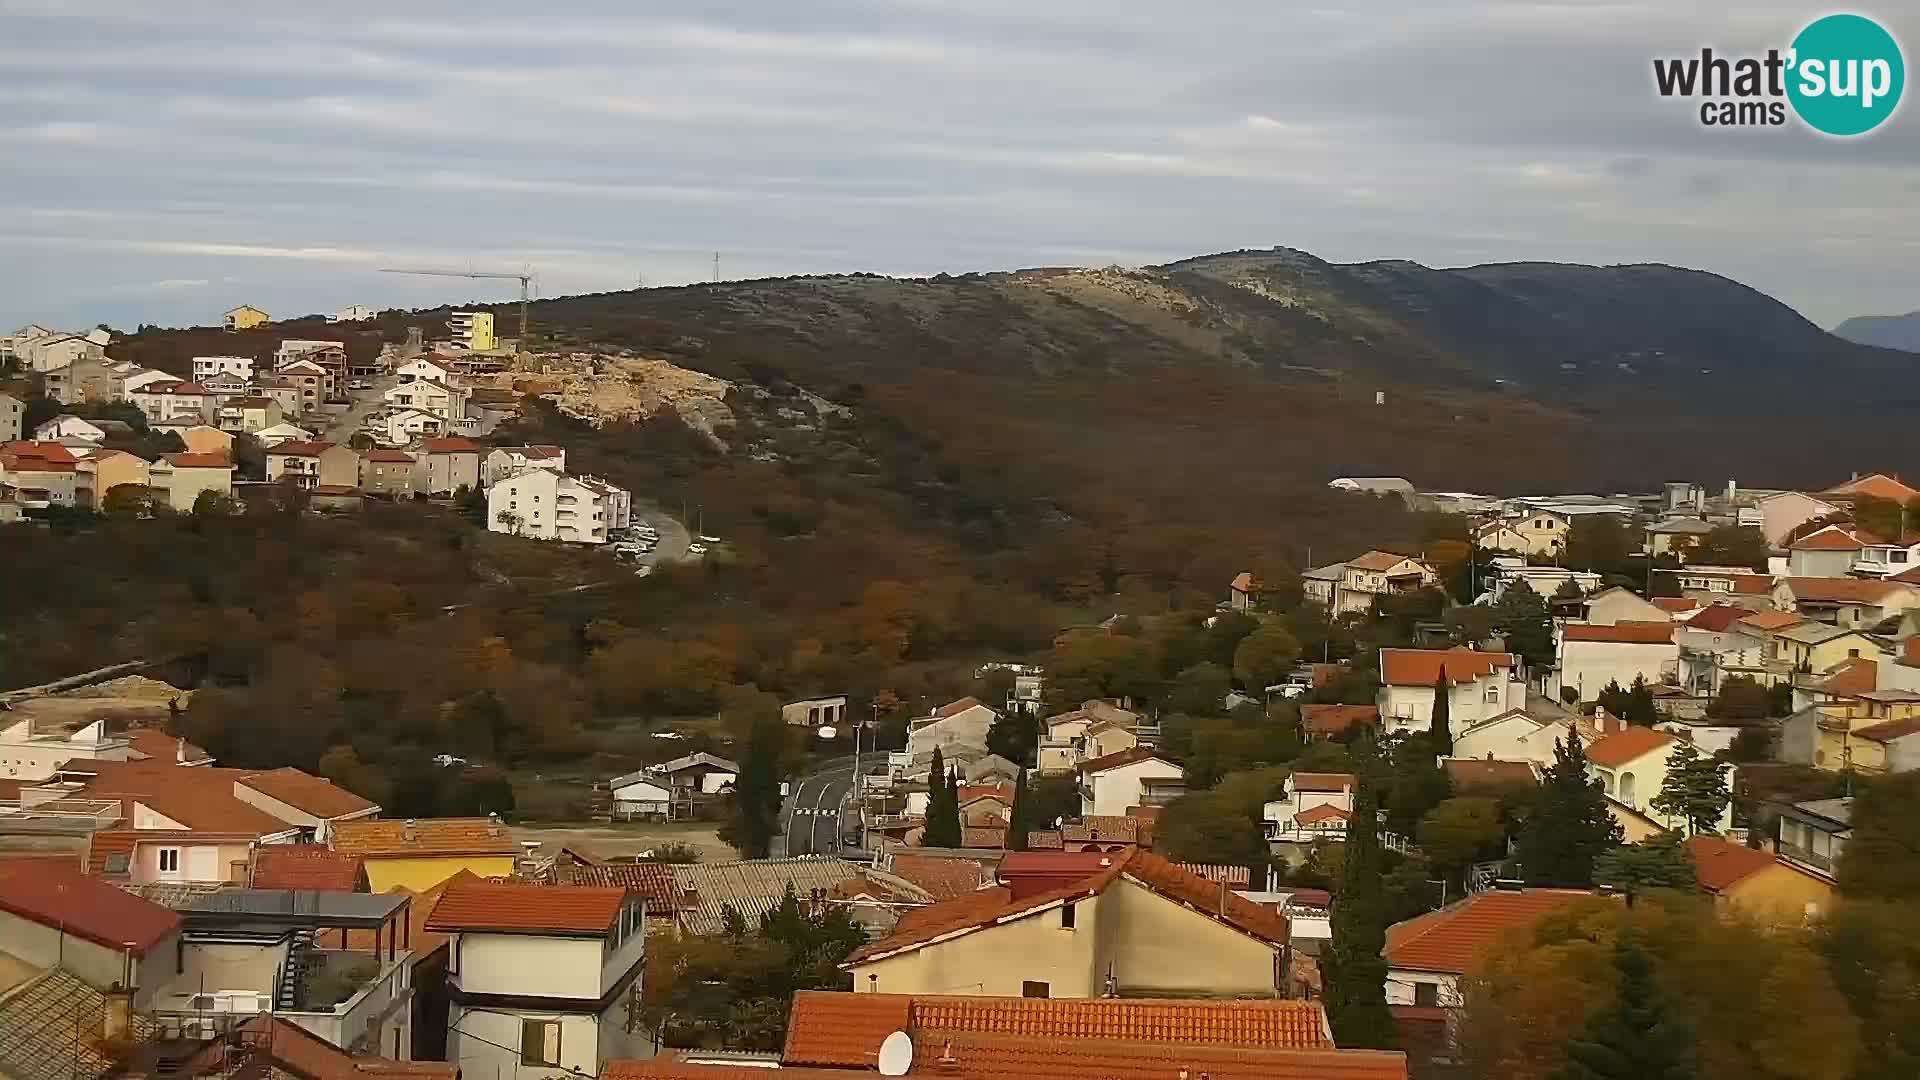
{"type": "Point", "coordinates": [1887, 331]}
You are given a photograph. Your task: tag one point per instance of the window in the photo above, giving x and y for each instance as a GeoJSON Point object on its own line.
{"type": "Point", "coordinates": [540, 1042]}
{"type": "Point", "coordinates": [169, 860]}
{"type": "Point", "coordinates": [1426, 993]}
{"type": "Point", "coordinates": [1493, 693]}
{"type": "Point", "coordinates": [1066, 920]}
{"type": "Point", "coordinates": [1035, 990]}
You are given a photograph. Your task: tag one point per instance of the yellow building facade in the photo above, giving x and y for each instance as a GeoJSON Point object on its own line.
{"type": "Point", "coordinates": [246, 317]}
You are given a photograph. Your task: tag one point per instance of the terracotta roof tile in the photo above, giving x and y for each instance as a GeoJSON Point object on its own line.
{"type": "Point", "coordinates": [1770, 620]}
{"type": "Point", "coordinates": [83, 906]}
{"type": "Point", "coordinates": [1854, 675]}
{"type": "Point", "coordinates": [942, 876]}
{"type": "Point", "coordinates": [826, 1027]}
{"type": "Point", "coordinates": [294, 1051]}
{"type": "Point", "coordinates": [986, 837]}
{"type": "Point", "coordinates": [198, 461]}
{"type": "Point", "coordinates": [970, 792]}
{"type": "Point", "coordinates": [1478, 774]}
{"type": "Point", "coordinates": [1622, 747]}
{"type": "Point", "coordinates": [1314, 815]}
{"type": "Point", "coordinates": [299, 448]}
{"type": "Point", "coordinates": [450, 444]}
{"type": "Point", "coordinates": [1322, 781]}
{"type": "Point", "coordinates": [157, 745]}
{"type": "Point", "coordinates": [1242, 582]}
{"type": "Point", "coordinates": [1834, 538]}
{"type": "Point", "coordinates": [1625, 633]}
{"type": "Point", "coordinates": [395, 456]}
{"type": "Point", "coordinates": [1876, 485]}
{"type": "Point", "coordinates": [1378, 561]}
{"type": "Point", "coordinates": [1843, 590]}
{"type": "Point", "coordinates": [1717, 617]}
{"type": "Point", "coordinates": [955, 708]}
{"type": "Point", "coordinates": [426, 836]}
{"type": "Point", "coordinates": [1102, 828]}
{"type": "Point", "coordinates": [1006, 1057]}
{"type": "Point", "coordinates": [514, 907]}
{"type": "Point", "coordinates": [1718, 864]}
{"type": "Point", "coordinates": [199, 798]}
{"type": "Point", "coordinates": [1334, 719]}
{"type": "Point", "coordinates": [652, 880]}
{"type": "Point", "coordinates": [1045, 840]}
{"type": "Point", "coordinates": [311, 794]}
{"type": "Point", "coordinates": [1456, 939]}
{"type": "Point", "coordinates": [306, 866]}
{"type": "Point", "coordinates": [1674, 604]}
{"type": "Point", "coordinates": [1130, 756]}
{"type": "Point", "coordinates": [1421, 667]}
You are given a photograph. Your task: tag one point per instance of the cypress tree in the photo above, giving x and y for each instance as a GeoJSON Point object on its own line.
{"type": "Point", "coordinates": [942, 828]}
{"type": "Point", "coordinates": [1440, 731]}
{"type": "Point", "coordinates": [1017, 816]}
{"type": "Point", "coordinates": [1636, 1039]}
{"type": "Point", "coordinates": [1570, 826]}
{"type": "Point", "coordinates": [1356, 979]}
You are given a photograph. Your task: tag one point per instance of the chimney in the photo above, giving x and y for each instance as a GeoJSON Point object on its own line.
{"type": "Point", "coordinates": [493, 824]}
{"type": "Point", "coordinates": [117, 1018]}
{"type": "Point", "coordinates": [179, 751]}
{"type": "Point", "coordinates": [1733, 490]}
{"type": "Point", "coordinates": [407, 830]}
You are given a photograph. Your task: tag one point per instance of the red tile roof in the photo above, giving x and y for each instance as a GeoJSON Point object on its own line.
{"type": "Point", "coordinates": [1843, 590]}
{"type": "Point", "coordinates": [1130, 756]}
{"type": "Point", "coordinates": [1102, 828]}
{"type": "Point", "coordinates": [1314, 815]}
{"type": "Point", "coordinates": [86, 907]}
{"type": "Point", "coordinates": [942, 876]}
{"type": "Point", "coordinates": [1876, 485]}
{"type": "Point", "coordinates": [199, 798]}
{"type": "Point", "coordinates": [299, 448]}
{"type": "Point", "coordinates": [1770, 620]}
{"type": "Point", "coordinates": [1421, 667]}
{"type": "Point", "coordinates": [450, 444]}
{"type": "Point", "coordinates": [955, 708]}
{"type": "Point", "coordinates": [1719, 864]}
{"type": "Point", "coordinates": [1379, 560]}
{"type": "Point", "coordinates": [1335, 719]}
{"type": "Point", "coordinates": [1242, 582]}
{"type": "Point", "coordinates": [306, 866]}
{"type": "Point", "coordinates": [1752, 584]}
{"type": "Point", "coordinates": [1834, 538]}
{"type": "Point", "coordinates": [157, 745]}
{"type": "Point", "coordinates": [1625, 633]}
{"type": "Point", "coordinates": [654, 881]}
{"type": "Point", "coordinates": [396, 456]}
{"type": "Point", "coordinates": [308, 793]}
{"type": "Point", "coordinates": [1621, 747]}
{"type": "Point", "coordinates": [1854, 675]}
{"type": "Point", "coordinates": [1008, 1057]}
{"type": "Point", "coordinates": [513, 907]}
{"type": "Point", "coordinates": [198, 461]}
{"type": "Point", "coordinates": [1455, 939]}
{"type": "Point", "coordinates": [836, 1028]}
{"type": "Point", "coordinates": [300, 1053]}
{"type": "Point", "coordinates": [1717, 617]}
{"type": "Point", "coordinates": [969, 792]}
{"type": "Point", "coordinates": [1478, 774]}
{"type": "Point", "coordinates": [1323, 781]}
{"type": "Point", "coordinates": [1675, 604]}
{"type": "Point", "coordinates": [426, 836]}
{"type": "Point", "coordinates": [984, 837]}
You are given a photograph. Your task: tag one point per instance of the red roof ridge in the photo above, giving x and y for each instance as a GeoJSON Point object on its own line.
{"type": "Point", "coordinates": [1621, 747]}
{"type": "Point", "coordinates": [1119, 758]}
{"type": "Point", "coordinates": [1620, 633]}
{"type": "Point", "coordinates": [526, 908]}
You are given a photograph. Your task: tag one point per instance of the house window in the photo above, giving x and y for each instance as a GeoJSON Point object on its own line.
{"type": "Point", "coordinates": [1493, 693]}
{"type": "Point", "coordinates": [169, 860]}
{"type": "Point", "coordinates": [1426, 993]}
{"type": "Point", "coordinates": [1030, 989]}
{"type": "Point", "coordinates": [540, 1042]}
{"type": "Point", "coordinates": [1066, 919]}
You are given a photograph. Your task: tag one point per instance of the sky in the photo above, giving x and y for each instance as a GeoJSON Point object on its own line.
{"type": "Point", "coordinates": [162, 162]}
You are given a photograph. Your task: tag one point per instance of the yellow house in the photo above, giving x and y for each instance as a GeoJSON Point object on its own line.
{"type": "Point", "coordinates": [1818, 646]}
{"type": "Point", "coordinates": [1850, 728]}
{"type": "Point", "coordinates": [246, 317]}
{"type": "Point", "coordinates": [204, 439]}
{"type": "Point", "coordinates": [112, 469]}
{"type": "Point", "coordinates": [1083, 925]}
{"type": "Point", "coordinates": [419, 854]}
{"type": "Point", "coordinates": [1758, 884]}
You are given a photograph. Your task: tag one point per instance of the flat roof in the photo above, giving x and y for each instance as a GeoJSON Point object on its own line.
{"type": "Point", "coordinates": [299, 906]}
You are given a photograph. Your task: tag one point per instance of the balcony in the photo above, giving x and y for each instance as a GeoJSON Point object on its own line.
{"type": "Point", "coordinates": [341, 996]}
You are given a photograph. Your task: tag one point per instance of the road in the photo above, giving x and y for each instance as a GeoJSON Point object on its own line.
{"type": "Point", "coordinates": [673, 536]}
{"type": "Point", "coordinates": [810, 818]}
{"type": "Point", "coordinates": [365, 404]}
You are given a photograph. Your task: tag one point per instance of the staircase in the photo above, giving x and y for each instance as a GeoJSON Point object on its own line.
{"type": "Point", "coordinates": [293, 973]}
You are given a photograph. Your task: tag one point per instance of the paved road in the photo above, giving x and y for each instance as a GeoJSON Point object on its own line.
{"type": "Point", "coordinates": [673, 536]}
{"type": "Point", "coordinates": [810, 819]}
{"type": "Point", "coordinates": [365, 404]}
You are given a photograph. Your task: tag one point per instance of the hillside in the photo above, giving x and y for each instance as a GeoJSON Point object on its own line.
{"type": "Point", "coordinates": [1886, 331]}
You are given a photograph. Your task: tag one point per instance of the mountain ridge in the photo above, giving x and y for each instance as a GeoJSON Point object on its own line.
{"type": "Point", "coordinates": [1886, 331]}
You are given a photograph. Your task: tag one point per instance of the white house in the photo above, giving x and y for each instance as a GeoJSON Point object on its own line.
{"type": "Point", "coordinates": [68, 426]}
{"type": "Point", "coordinates": [429, 395]}
{"type": "Point", "coordinates": [142, 377]}
{"type": "Point", "coordinates": [1311, 806]}
{"type": "Point", "coordinates": [1516, 735]}
{"type": "Point", "coordinates": [273, 436]}
{"type": "Point", "coordinates": [1544, 580]}
{"type": "Point", "coordinates": [545, 505]}
{"type": "Point", "coordinates": [58, 350]}
{"type": "Point", "coordinates": [1618, 605]}
{"type": "Point", "coordinates": [816, 712]}
{"type": "Point", "coordinates": [12, 412]}
{"type": "Point", "coordinates": [958, 723]}
{"type": "Point", "coordinates": [1429, 956]}
{"type": "Point", "coordinates": [1631, 766]}
{"type": "Point", "coordinates": [1589, 656]}
{"type": "Point", "coordinates": [1845, 601]}
{"type": "Point", "coordinates": [1095, 729]}
{"type": "Point", "coordinates": [206, 367]}
{"type": "Point", "coordinates": [504, 461]}
{"type": "Point", "coordinates": [428, 368]}
{"type": "Point", "coordinates": [542, 980]}
{"type": "Point", "coordinates": [1110, 785]}
{"type": "Point", "coordinates": [1829, 551]}
{"type": "Point", "coordinates": [174, 401]}
{"type": "Point", "coordinates": [640, 795]}
{"type": "Point", "coordinates": [1484, 684]}
{"type": "Point", "coordinates": [1354, 585]}
{"type": "Point", "coordinates": [351, 313]}
{"type": "Point", "coordinates": [406, 425]}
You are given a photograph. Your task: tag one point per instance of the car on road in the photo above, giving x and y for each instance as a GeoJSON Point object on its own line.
{"type": "Point", "coordinates": [627, 547]}
{"type": "Point", "coordinates": [705, 539]}
{"type": "Point", "coordinates": [359, 384]}
{"type": "Point", "coordinates": [696, 549]}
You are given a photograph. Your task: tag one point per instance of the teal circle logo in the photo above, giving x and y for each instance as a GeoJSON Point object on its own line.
{"type": "Point", "coordinates": [1846, 75]}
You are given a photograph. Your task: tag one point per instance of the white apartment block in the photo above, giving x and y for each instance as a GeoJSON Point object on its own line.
{"type": "Point", "coordinates": [206, 367]}
{"type": "Point", "coordinates": [546, 505]}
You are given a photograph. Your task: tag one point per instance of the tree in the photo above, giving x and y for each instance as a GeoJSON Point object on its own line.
{"type": "Point", "coordinates": [1015, 735]}
{"type": "Point", "coordinates": [1658, 863]}
{"type": "Point", "coordinates": [1440, 728]}
{"type": "Point", "coordinates": [1600, 543]}
{"type": "Point", "coordinates": [756, 793]}
{"type": "Point", "coordinates": [1614, 699]}
{"type": "Point", "coordinates": [1638, 1038]}
{"type": "Point", "coordinates": [1882, 856]}
{"type": "Point", "coordinates": [1871, 950]}
{"type": "Point", "coordinates": [1414, 786]}
{"type": "Point", "coordinates": [1740, 698]}
{"type": "Point", "coordinates": [211, 503]}
{"type": "Point", "coordinates": [1570, 825]}
{"type": "Point", "coordinates": [1460, 832]}
{"type": "Point", "coordinates": [1199, 690]}
{"type": "Point", "coordinates": [1640, 708]}
{"type": "Point", "coordinates": [942, 828]}
{"type": "Point", "coordinates": [1569, 590]}
{"type": "Point", "coordinates": [1527, 623]}
{"type": "Point", "coordinates": [1264, 656]}
{"type": "Point", "coordinates": [1017, 816]}
{"type": "Point", "coordinates": [1695, 789]}
{"type": "Point", "coordinates": [1731, 545]}
{"type": "Point", "coordinates": [1356, 977]}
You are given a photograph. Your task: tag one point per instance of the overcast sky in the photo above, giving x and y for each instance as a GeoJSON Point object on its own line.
{"type": "Point", "coordinates": [163, 161]}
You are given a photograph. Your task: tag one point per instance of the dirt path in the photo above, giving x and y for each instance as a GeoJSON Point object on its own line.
{"type": "Point", "coordinates": [609, 841]}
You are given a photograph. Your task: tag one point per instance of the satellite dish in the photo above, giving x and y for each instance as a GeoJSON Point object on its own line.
{"type": "Point", "coordinates": [828, 731]}
{"type": "Point", "coordinates": [896, 1054]}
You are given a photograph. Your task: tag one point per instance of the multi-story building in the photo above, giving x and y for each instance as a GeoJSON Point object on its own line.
{"type": "Point", "coordinates": [12, 415]}
{"type": "Point", "coordinates": [445, 465]}
{"type": "Point", "coordinates": [545, 505]}
{"type": "Point", "coordinates": [430, 396]}
{"type": "Point", "coordinates": [1354, 585]}
{"type": "Point", "coordinates": [245, 317]}
{"type": "Point", "coordinates": [472, 329]}
{"type": "Point", "coordinates": [184, 477]}
{"type": "Point", "coordinates": [206, 367]}
{"type": "Point", "coordinates": [504, 461]}
{"type": "Point", "coordinates": [314, 381]}
{"type": "Point", "coordinates": [387, 472]}
{"type": "Point", "coordinates": [1483, 685]}
{"type": "Point", "coordinates": [174, 401]}
{"type": "Point", "coordinates": [313, 464]}
{"type": "Point", "coordinates": [252, 414]}
{"type": "Point", "coordinates": [331, 355]}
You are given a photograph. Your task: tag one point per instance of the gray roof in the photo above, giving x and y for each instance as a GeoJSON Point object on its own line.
{"type": "Point", "coordinates": [1813, 633]}
{"type": "Point", "coordinates": [754, 886]}
{"type": "Point", "coordinates": [688, 761]}
{"type": "Point", "coordinates": [1840, 810]}
{"type": "Point", "coordinates": [1329, 572]}
{"type": "Point", "coordinates": [297, 906]}
{"type": "Point", "coordinates": [1693, 526]}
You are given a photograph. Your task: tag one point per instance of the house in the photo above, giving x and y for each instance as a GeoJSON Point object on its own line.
{"type": "Point", "coordinates": [351, 313]}
{"type": "Point", "coordinates": [1095, 729]}
{"type": "Point", "coordinates": [139, 378]}
{"type": "Point", "coordinates": [245, 317]}
{"type": "Point", "coordinates": [543, 505]}
{"type": "Point", "coordinates": [816, 712]}
{"type": "Point", "coordinates": [314, 805]}
{"type": "Point", "coordinates": [1517, 735]}
{"type": "Point", "coordinates": [1589, 657]}
{"type": "Point", "coordinates": [1845, 601]}
{"type": "Point", "coordinates": [331, 355]}
{"type": "Point", "coordinates": [206, 367]}
{"type": "Point", "coordinates": [1110, 785]}
{"type": "Point", "coordinates": [430, 396]}
{"type": "Point", "coordinates": [1543, 532]}
{"type": "Point", "coordinates": [504, 461]}
{"type": "Point", "coordinates": [1618, 605]}
{"type": "Point", "coordinates": [68, 426]}
{"type": "Point", "coordinates": [1083, 925]}
{"type": "Point", "coordinates": [435, 368]}
{"type": "Point", "coordinates": [288, 393]}
{"type": "Point", "coordinates": [472, 330]}
{"type": "Point", "coordinates": [387, 472]}
{"type": "Point", "coordinates": [109, 469]}
{"type": "Point", "coordinates": [1483, 684]}
{"type": "Point", "coordinates": [406, 425]}
{"type": "Point", "coordinates": [53, 351]}
{"type": "Point", "coordinates": [446, 465]}
{"type": "Point", "coordinates": [107, 937]}
{"type": "Point", "coordinates": [1631, 766]}
{"type": "Point", "coordinates": [1829, 551]}
{"type": "Point", "coordinates": [313, 380]}
{"type": "Point", "coordinates": [957, 723]}
{"type": "Point", "coordinates": [1812, 835]}
{"type": "Point", "coordinates": [640, 794]}
{"type": "Point", "coordinates": [1482, 777]}
{"type": "Point", "coordinates": [1758, 885]}
{"type": "Point", "coordinates": [1736, 585]}
{"type": "Point", "coordinates": [185, 477]}
{"type": "Point", "coordinates": [252, 413]}
{"type": "Point", "coordinates": [308, 465]}
{"type": "Point", "coordinates": [44, 474]}
{"type": "Point", "coordinates": [161, 402]}
{"type": "Point", "coordinates": [197, 437]}
{"type": "Point", "coordinates": [1873, 485]}
{"type": "Point", "coordinates": [12, 415]}
{"type": "Point", "coordinates": [276, 434]}
{"type": "Point", "coordinates": [1374, 485]}
{"type": "Point", "coordinates": [697, 774]}
{"type": "Point", "coordinates": [1334, 721]}
{"type": "Point", "coordinates": [422, 853]}
{"type": "Point", "coordinates": [1783, 512]}
{"type": "Point", "coordinates": [984, 806]}
{"type": "Point", "coordinates": [1429, 956]}
{"type": "Point", "coordinates": [1354, 585]}
{"type": "Point", "coordinates": [1546, 581]}
{"type": "Point", "coordinates": [86, 379]}
{"type": "Point", "coordinates": [1676, 536]}
{"type": "Point", "coordinates": [1311, 807]}
{"type": "Point", "coordinates": [1499, 536]}
{"type": "Point", "coordinates": [1819, 646]}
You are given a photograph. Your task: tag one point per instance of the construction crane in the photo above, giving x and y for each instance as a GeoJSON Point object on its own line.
{"type": "Point", "coordinates": [525, 281]}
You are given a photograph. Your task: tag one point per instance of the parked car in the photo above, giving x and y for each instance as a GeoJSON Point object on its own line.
{"type": "Point", "coordinates": [705, 539]}
{"type": "Point", "coordinates": [696, 549]}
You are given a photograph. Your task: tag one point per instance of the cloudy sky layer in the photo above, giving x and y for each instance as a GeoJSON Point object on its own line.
{"type": "Point", "coordinates": [161, 162]}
